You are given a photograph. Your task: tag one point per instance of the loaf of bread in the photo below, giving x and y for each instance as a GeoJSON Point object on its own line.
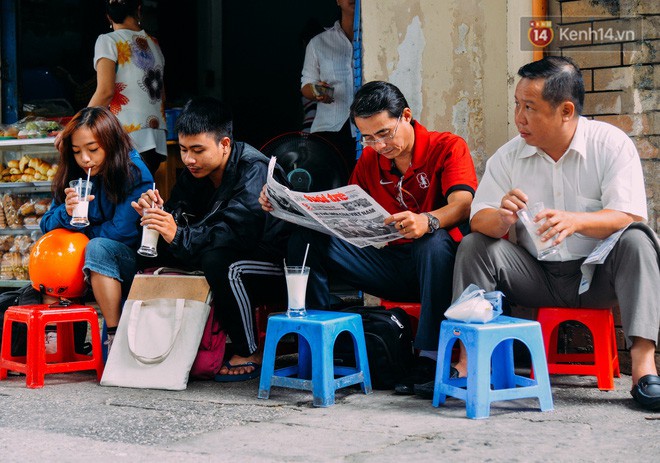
{"type": "Point", "coordinates": [31, 221]}
{"type": "Point", "coordinates": [6, 242]}
{"type": "Point", "coordinates": [41, 206]}
{"type": "Point", "coordinates": [9, 262]}
{"type": "Point", "coordinates": [27, 208]}
{"type": "Point", "coordinates": [28, 169]}
{"type": "Point", "coordinates": [23, 162]}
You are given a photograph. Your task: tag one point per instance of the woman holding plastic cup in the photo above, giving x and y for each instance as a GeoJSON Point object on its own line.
{"type": "Point", "coordinates": [96, 152]}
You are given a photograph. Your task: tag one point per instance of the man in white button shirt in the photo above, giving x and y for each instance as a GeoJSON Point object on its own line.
{"type": "Point", "coordinates": [589, 176]}
{"type": "Point", "coordinates": [327, 78]}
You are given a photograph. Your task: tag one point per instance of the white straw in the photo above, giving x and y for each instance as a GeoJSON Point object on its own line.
{"type": "Point", "coordinates": [89, 172]}
{"type": "Point", "coordinates": [284, 262]}
{"type": "Point", "coordinates": [153, 203]}
{"type": "Point", "coordinates": [304, 259]}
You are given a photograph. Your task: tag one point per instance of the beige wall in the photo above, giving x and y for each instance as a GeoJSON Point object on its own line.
{"type": "Point", "coordinates": [454, 60]}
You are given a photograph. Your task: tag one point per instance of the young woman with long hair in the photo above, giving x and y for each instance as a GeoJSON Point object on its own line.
{"type": "Point", "coordinates": [95, 144]}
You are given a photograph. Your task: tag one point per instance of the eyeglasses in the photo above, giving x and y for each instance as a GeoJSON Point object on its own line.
{"type": "Point", "coordinates": [384, 139]}
{"type": "Point", "coordinates": [400, 195]}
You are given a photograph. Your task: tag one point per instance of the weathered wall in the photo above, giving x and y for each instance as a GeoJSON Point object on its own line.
{"type": "Point", "coordinates": [621, 76]}
{"type": "Point", "coordinates": [454, 61]}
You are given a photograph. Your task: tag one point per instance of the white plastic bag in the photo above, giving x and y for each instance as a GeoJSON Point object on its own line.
{"type": "Point", "coordinates": [474, 305]}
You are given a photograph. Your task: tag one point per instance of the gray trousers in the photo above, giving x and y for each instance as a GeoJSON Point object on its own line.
{"type": "Point", "coordinates": [630, 276]}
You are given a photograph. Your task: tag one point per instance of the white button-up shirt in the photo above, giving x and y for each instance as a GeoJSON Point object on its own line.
{"type": "Point", "coordinates": [329, 58]}
{"type": "Point", "coordinates": [599, 170]}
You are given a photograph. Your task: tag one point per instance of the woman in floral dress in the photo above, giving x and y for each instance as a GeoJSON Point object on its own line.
{"type": "Point", "coordinates": [129, 68]}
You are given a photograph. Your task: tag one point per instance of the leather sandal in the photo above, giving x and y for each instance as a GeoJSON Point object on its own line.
{"type": "Point", "coordinates": [647, 392]}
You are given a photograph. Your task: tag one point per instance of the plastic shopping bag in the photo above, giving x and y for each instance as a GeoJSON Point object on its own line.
{"type": "Point", "coordinates": [475, 305]}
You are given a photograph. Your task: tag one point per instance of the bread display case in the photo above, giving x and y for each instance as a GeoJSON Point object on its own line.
{"type": "Point", "coordinates": [27, 168]}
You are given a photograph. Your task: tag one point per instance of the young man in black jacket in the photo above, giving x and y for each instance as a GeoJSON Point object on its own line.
{"type": "Point", "coordinates": [213, 222]}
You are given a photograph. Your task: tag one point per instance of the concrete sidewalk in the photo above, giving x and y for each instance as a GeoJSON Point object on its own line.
{"type": "Point", "coordinates": [74, 419]}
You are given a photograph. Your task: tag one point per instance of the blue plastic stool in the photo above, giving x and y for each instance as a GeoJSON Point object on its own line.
{"type": "Point", "coordinates": [481, 341]}
{"type": "Point", "coordinates": [317, 333]}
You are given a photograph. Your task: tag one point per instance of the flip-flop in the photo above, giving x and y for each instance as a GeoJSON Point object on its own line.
{"type": "Point", "coordinates": [647, 392]}
{"type": "Point", "coordinates": [227, 378]}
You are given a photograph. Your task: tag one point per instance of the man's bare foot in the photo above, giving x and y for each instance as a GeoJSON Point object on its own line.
{"type": "Point", "coordinates": [238, 360]}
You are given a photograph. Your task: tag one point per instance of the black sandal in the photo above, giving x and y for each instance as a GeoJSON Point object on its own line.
{"type": "Point", "coordinates": [647, 392]}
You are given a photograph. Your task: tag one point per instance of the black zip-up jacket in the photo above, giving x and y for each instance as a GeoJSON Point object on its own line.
{"type": "Point", "coordinates": [229, 216]}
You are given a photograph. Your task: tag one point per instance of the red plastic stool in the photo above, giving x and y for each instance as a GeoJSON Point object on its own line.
{"type": "Point", "coordinates": [36, 364]}
{"type": "Point", "coordinates": [603, 363]}
{"type": "Point", "coordinates": [413, 309]}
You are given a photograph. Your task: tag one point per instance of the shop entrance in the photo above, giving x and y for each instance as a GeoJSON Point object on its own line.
{"type": "Point", "coordinates": [248, 53]}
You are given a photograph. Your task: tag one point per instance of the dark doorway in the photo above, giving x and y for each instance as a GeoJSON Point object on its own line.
{"type": "Point", "coordinates": [263, 53]}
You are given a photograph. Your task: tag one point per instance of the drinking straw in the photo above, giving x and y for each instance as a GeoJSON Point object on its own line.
{"type": "Point", "coordinates": [89, 172]}
{"type": "Point", "coordinates": [153, 203]}
{"type": "Point", "coordinates": [302, 269]}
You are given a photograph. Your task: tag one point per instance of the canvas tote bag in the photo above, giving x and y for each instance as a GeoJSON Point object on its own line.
{"type": "Point", "coordinates": [157, 339]}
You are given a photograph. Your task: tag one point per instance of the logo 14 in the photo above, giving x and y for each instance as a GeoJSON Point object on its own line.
{"type": "Point", "coordinates": [540, 33]}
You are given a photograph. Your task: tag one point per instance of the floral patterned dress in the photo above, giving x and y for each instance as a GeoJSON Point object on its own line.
{"type": "Point", "coordinates": [139, 96]}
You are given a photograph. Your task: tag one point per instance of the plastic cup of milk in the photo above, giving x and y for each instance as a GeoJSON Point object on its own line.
{"type": "Point", "coordinates": [543, 248]}
{"type": "Point", "coordinates": [296, 286]}
{"type": "Point", "coordinates": [83, 190]}
{"type": "Point", "coordinates": [149, 242]}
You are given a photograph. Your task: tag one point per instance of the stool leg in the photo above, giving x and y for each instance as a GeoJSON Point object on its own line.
{"type": "Point", "coordinates": [65, 342]}
{"type": "Point", "coordinates": [361, 359]}
{"type": "Point", "coordinates": [603, 356]}
{"type": "Point", "coordinates": [540, 366]}
{"type": "Point", "coordinates": [551, 344]}
{"type": "Point", "coordinates": [36, 353]}
{"type": "Point", "coordinates": [97, 350]}
{"type": "Point", "coordinates": [478, 382]}
{"type": "Point", "coordinates": [615, 353]}
{"type": "Point", "coordinates": [442, 365]}
{"type": "Point", "coordinates": [268, 364]}
{"type": "Point", "coordinates": [305, 366]}
{"type": "Point", "coordinates": [323, 378]}
{"type": "Point", "coordinates": [5, 348]}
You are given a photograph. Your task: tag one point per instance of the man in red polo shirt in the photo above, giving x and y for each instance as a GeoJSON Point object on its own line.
{"type": "Point", "coordinates": [426, 180]}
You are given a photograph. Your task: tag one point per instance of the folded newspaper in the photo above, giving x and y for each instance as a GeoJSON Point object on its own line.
{"type": "Point", "coordinates": [348, 212]}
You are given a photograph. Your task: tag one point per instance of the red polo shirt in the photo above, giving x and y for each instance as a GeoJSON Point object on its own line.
{"type": "Point", "coordinates": [441, 164]}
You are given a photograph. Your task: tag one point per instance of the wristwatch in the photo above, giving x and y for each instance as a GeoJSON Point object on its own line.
{"type": "Point", "coordinates": [434, 223]}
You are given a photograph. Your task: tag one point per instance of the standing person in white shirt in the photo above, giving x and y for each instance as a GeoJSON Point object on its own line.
{"type": "Point", "coordinates": [329, 65]}
{"type": "Point", "coordinates": [129, 72]}
{"type": "Point", "coordinates": [589, 176]}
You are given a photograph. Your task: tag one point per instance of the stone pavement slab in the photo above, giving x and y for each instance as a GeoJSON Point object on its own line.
{"type": "Point", "coordinates": [74, 419]}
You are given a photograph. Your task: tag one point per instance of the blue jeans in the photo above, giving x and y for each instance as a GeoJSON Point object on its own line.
{"type": "Point", "coordinates": [112, 259]}
{"type": "Point", "coordinates": [420, 271]}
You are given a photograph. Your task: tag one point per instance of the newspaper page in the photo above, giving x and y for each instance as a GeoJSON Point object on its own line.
{"type": "Point", "coordinates": [347, 212]}
{"type": "Point", "coordinates": [597, 256]}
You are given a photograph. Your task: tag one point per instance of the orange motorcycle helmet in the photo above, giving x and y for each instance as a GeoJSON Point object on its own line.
{"type": "Point", "coordinates": [56, 263]}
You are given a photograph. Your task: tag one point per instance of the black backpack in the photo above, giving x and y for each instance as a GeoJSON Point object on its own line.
{"type": "Point", "coordinates": [27, 295]}
{"type": "Point", "coordinates": [388, 337]}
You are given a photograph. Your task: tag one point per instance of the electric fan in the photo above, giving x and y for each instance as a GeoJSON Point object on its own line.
{"type": "Point", "coordinates": [310, 162]}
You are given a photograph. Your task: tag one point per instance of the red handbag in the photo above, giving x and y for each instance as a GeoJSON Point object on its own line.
{"type": "Point", "coordinates": [211, 350]}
